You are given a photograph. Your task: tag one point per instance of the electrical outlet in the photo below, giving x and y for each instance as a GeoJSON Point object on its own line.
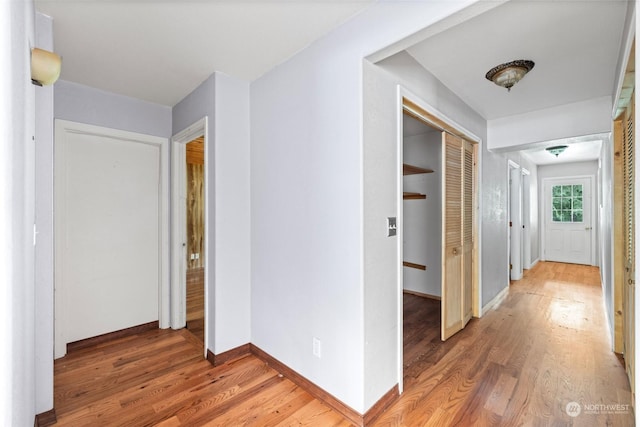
{"type": "Point", "coordinates": [197, 256]}
{"type": "Point", "coordinates": [193, 256]}
{"type": "Point", "coordinates": [317, 347]}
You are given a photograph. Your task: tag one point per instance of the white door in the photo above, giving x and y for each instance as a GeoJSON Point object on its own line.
{"type": "Point", "coordinates": [568, 222]}
{"type": "Point", "coordinates": [109, 230]}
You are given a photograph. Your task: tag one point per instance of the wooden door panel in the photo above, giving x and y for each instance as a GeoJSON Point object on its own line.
{"type": "Point", "coordinates": [628, 178]}
{"type": "Point", "coordinates": [452, 249]}
{"type": "Point", "coordinates": [452, 294]}
{"type": "Point", "coordinates": [467, 236]}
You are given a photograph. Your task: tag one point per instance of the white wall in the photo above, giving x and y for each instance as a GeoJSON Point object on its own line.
{"type": "Point", "coordinates": [44, 222]}
{"type": "Point", "coordinates": [232, 222]}
{"type": "Point", "coordinates": [422, 235]}
{"type": "Point", "coordinates": [84, 104]}
{"type": "Point", "coordinates": [605, 214]}
{"type": "Point", "coordinates": [17, 193]}
{"type": "Point", "coordinates": [581, 118]}
{"type": "Point", "coordinates": [403, 70]}
{"type": "Point", "coordinates": [225, 100]}
{"type": "Point", "coordinates": [314, 238]}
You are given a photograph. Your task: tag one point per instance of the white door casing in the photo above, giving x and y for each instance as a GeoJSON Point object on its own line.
{"type": "Point", "coordinates": [515, 221]}
{"type": "Point", "coordinates": [569, 226]}
{"type": "Point", "coordinates": [526, 219]}
{"type": "Point", "coordinates": [179, 225]}
{"type": "Point", "coordinates": [111, 231]}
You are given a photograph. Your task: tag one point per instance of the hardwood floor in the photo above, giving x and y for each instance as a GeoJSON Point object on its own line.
{"type": "Point", "coordinates": [195, 302]}
{"type": "Point", "coordinates": [545, 346]}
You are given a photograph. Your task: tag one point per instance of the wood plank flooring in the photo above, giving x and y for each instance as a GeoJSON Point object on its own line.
{"type": "Point", "coordinates": [545, 346]}
{"type": "Point", "coordinates": [195, 302]}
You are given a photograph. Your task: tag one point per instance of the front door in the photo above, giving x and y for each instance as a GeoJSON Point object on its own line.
{"type": "Point", "coordinates": [568, 223]}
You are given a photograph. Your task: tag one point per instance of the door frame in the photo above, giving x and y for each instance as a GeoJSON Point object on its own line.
{"type": "Point", "coordinates": [514, 168]}
{"type": "Point", "coordinates": [61, 128]}
{"type": "Point", "coordinates": [179, 224]}
{"type": "Point", "coordinates": [526, 219]}
{"type": "Point", "coordinates": [422, 110]}
{"type": "Point", "coordinates": [543, 203]}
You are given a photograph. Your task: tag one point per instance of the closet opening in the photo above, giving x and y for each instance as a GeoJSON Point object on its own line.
{"type": "Point", "coordinates": [421, 240]}
{"type": "Point", "coordinates": [438, 245]}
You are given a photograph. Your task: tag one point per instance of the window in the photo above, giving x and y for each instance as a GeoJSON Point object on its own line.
{"type": "Point", "coordinates": [567, 203]}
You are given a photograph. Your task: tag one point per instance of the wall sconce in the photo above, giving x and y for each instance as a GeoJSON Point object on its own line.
{"type": "Point", "coordinates": [45, 67]}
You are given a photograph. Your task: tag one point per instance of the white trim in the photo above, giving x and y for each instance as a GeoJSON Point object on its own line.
{"type": "Point", "coordinates": [400, 237]}
{"type": "Point", "coordinates": [510, 166]}
{"type": "Point", "coordinates": [437, 114]}
{"type": "Point", "coordinates": [496, 301]}
{"type": "Point", "coordinates": [63, 127]}
{"type": "Point", "coordinates": [533, 264]}
{"type": "Point", "coordinates": [526, 219]}
{"type": "Point", "coordinates": [595, 221]}
{"type": "Point", "coordinates": [178, 225]}
{"type": "Point", "coordinates": [625, 53]}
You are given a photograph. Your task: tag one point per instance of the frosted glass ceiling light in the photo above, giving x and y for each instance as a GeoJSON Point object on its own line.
{"type": "Point", "coordinates": [556, 150]}
{"type": "Point", "coordinates": [510, 73]}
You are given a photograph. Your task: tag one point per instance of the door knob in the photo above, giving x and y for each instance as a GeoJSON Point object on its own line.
{"type": "Point", "coordinates": [455, 251]}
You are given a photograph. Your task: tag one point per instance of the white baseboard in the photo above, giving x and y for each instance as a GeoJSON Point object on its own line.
{"type": "Point", "coordinates": [533, 264]}
{"type": "Point", "coordinates": [496, 300]}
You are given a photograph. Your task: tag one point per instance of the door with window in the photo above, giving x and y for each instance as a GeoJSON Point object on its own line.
{"type": "Point", "coordinates": [568, 222]}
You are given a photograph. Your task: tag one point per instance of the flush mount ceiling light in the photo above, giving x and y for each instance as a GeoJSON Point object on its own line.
{"type": "Point", "coordinates": [556, 150]}
{"type": "Point", "coordinates": [509, 73]}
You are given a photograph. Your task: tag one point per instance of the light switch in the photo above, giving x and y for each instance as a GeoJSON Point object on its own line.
{"type": "Point", "coordinates": [391, 226]}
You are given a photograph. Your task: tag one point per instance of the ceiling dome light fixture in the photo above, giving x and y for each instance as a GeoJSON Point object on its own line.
{"type": "Point", "coordinates": [510, 73]}
{"type": "Point", "coordinates": [556, 150]}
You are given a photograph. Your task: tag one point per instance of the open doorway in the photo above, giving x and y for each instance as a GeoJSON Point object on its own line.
{"type": "Point", "coordinates": [189, 231]}
{"type": "Point", "coordinates": [438, 235]}
{"type": "Point", "coordinates": [421, 240]}
{"type": "Point", "coordinates": [195, 253]}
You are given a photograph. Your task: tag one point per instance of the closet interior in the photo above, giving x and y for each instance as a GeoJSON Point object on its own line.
{"type": "Point", "coordinates": [422, 209]}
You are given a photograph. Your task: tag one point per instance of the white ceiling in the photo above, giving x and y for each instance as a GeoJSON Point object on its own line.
{"type": "Point", "coordinates": [160, 51]}
{"type": "Point", "coordinates": [579, 149]}
{"type": "Point", "coordinates": [575, 45]}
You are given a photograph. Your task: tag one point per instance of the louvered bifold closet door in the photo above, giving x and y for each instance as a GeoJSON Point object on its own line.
{"type": "Point", "coordinates": [628, 177]}
{"type": "Point", "coordinates": [467, 231]}
{"type": "Point", "coordinates": [452, 259]}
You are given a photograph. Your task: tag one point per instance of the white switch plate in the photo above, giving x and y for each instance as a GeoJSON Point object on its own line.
{"type": "Point", "coordinates": [391, 226]}
{"type": "Point", "coordinates": [317, 348]}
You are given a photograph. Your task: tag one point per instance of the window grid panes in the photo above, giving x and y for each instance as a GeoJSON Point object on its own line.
{"type": "Point", "coordinates": [567, 203]}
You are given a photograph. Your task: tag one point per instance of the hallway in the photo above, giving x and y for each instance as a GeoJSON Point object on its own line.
{"type": "Point", "coordinates": [545, 346]}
